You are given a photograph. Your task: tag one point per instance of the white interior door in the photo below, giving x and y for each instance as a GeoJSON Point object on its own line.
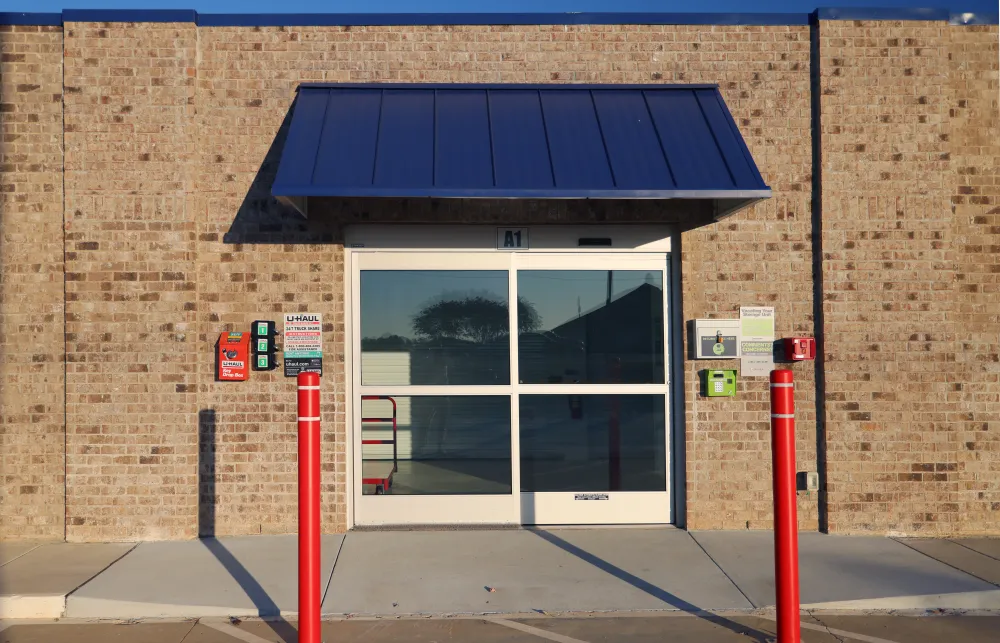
{"type": "Point", "coordinates": [459, 420]}
{"type": "Point", "coordinates": [592, 389]}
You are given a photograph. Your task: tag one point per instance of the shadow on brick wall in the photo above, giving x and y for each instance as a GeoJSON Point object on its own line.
{"type": "Point", "coordinates": [266, 607]}
{"type": "Point", "coordinates": [262, 219]}
{"type": "Point", "coordinates": [206, 472]}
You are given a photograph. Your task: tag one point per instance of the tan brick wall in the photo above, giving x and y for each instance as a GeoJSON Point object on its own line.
{"type": "Point", "coordinates": [759, 257]}
{"type": "Point", "coordinates": [258, 260]}
{"type": "Point", "coordinates": [172, 138]}
{"type": "Point", "coordinates": [900, 275]}
{"type": "Point", "coordinates": [132, 339]}
{"type": "Point", "coordinates": [974, 118]}
{"type": "Point", "coordinates": [759, 68]}
{"type": "Point", "coordinates": [31, 284]}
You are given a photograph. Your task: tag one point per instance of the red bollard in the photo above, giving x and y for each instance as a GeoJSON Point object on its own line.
{"type": "Point", "coordinates": [786, 534]}
{"type": "Point", "coordinates": [309, 550]}
{"type": "Point", "coordinates": [615, 432]}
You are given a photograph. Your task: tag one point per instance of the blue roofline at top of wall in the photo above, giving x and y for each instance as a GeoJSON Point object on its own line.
{"type": "Point", "coordinates": [414, 19]}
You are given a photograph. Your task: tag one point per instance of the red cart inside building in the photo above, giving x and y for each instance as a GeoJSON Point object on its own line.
{"type": "Point", "coordinates": [380, 472]}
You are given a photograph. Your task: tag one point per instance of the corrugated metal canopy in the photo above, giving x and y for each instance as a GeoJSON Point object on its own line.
{"type": "Point", "coordinates": [518, 141]}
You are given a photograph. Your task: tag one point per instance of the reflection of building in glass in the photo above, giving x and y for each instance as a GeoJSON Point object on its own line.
{"type": "Point", "coordinates": [627, 331]}
{"type": "Point", "coordinates": [448, 442]}
{"type": "Point", "coordinates": [566, 451]}
{"type": "Point", "coordinates": [440, 361]}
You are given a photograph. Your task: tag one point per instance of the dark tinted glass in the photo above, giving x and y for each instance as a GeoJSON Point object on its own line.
{"type": "Point", "coordinates": [593, 443]}
{"type": "Point", "coordinates": [590, 327]}
{"type": "Point", "coordinates": [435, 327]}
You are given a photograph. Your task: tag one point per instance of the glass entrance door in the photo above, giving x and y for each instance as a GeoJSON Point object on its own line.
{"type": "Point", "coordinates": [510, 388]}
{"type": "Point", "coordinates": [433, 406]}
{"type": "Point", "coordinates": [591, 395]}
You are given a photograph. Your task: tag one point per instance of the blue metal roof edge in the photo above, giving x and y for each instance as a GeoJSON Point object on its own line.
{"type": "Point", "coordinates": [130, 15]}
{"type": "Point", "coordinates": [424, 19]}
{"type": "Point", "coordinates": [297, 190]}
{"type": "Point", "coordinates": [882, 13]}
{"type": "Point", "coordinates": [544, 86]}
{"type": "Point", "coordinates": [580, 18]}
{"type": "Point", "coordinates": [31, 19]}
{"type": "Point", "coordinates": [738, 136]}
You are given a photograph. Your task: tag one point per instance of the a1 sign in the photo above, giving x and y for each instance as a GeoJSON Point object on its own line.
{"type": "Point", "coordinates": [512, 238]}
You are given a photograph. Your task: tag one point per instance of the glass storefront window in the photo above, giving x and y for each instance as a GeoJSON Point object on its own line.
{"type": "Point", "coordinates": [590, 327]}
{"type": "Point", "coordinates": [593, 443]}
{"type": "Point", "coordinates": [447, 444]}
{"type": "Point", "coordinates": [434, 327]}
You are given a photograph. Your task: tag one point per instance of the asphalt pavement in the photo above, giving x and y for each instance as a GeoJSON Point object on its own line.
{"type": "Point", "coordinates": [675, 627]}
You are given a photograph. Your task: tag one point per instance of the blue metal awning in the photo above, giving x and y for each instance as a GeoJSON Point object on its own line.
{"type": "Point", "coordinates": [517, 141]}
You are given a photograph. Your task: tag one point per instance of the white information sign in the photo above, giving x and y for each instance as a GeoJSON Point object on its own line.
{"type": "Point", "coordinates": [756, 341]}
{"type": "Point", "coordinates": [303, 343]}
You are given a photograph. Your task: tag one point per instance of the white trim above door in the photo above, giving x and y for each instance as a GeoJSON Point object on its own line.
{"type": "Point", "coordinates": [476, 238]}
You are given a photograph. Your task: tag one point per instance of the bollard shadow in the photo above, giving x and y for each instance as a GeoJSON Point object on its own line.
{"type": "Point", "coordinates": [266, 607]}
{"type": "Point", "coordinates": [206, 470]}
{"type": "Point", "coordinates": [653, 590]}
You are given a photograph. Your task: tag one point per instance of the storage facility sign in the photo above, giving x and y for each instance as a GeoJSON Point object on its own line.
{"type": "Point", "coordinates": [756, 340]}
{"type": "Point", "coordinates": [303, 343]}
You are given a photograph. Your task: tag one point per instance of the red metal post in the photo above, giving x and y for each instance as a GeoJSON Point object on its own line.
{"type": "Point", "coordinates": [309, 550]}
{"type": "Point", "coordinates": [615, 432]}
{"type": "Point", "coordinates": [786, 536]}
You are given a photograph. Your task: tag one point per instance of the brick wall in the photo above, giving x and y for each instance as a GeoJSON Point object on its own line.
{"type": "Point", "coordinates": [132, 342]}
{"type": "Point", "coordinates": [172, 137]}
{"type": "Point", "coordinates": [758, 67]}
{"type": "Point", "coordinates": [759, 257]}
{"type": "Point", "coordinates": [258, 260]}
{"type": "Point", "coordinates": [31, 283]}
{"type": "Point", "coordinates": [253, 256]}
{"type": "Point", "coordinates": [973, 112]}
{"type": "Point", "coordinates": [908, 151]}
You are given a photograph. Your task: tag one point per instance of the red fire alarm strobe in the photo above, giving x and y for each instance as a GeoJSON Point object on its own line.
{"type": "Point", "coordinates": [798, 349]}
{"type": "Point", "coordinates": [233, 361]}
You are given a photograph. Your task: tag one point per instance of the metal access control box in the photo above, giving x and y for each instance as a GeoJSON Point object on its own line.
{"type": "Point", "coordinates": [720, 383]}
{"type": "Point", "coordinates": [716, 338]}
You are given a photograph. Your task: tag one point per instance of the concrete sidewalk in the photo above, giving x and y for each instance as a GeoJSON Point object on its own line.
{"type": "Point", "coordinates": [503, 571]}
{"type": "Point", "coordinates": [36, 577]}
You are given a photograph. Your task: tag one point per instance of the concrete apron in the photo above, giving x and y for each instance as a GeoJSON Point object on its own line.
{"type": "Point", "coordinates": [35, 579]}
{"type": "Point", "coordinates": [514, 571]}
{"type": "Point", "coordinates": [242, 576]}
{"type": "Point", "coordinates": [851, 573]}
{"type": "Point", "coordinates": [634, 569]}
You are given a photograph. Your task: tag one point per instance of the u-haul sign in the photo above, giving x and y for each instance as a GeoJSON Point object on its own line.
{"type": "Point", "coordinates": [303, 347]}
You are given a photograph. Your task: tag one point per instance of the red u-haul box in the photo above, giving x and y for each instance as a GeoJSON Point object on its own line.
{"type": "Point", "coordinates": [800, 348]}
{"type": "Point", "coordinates": [233, 359]}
